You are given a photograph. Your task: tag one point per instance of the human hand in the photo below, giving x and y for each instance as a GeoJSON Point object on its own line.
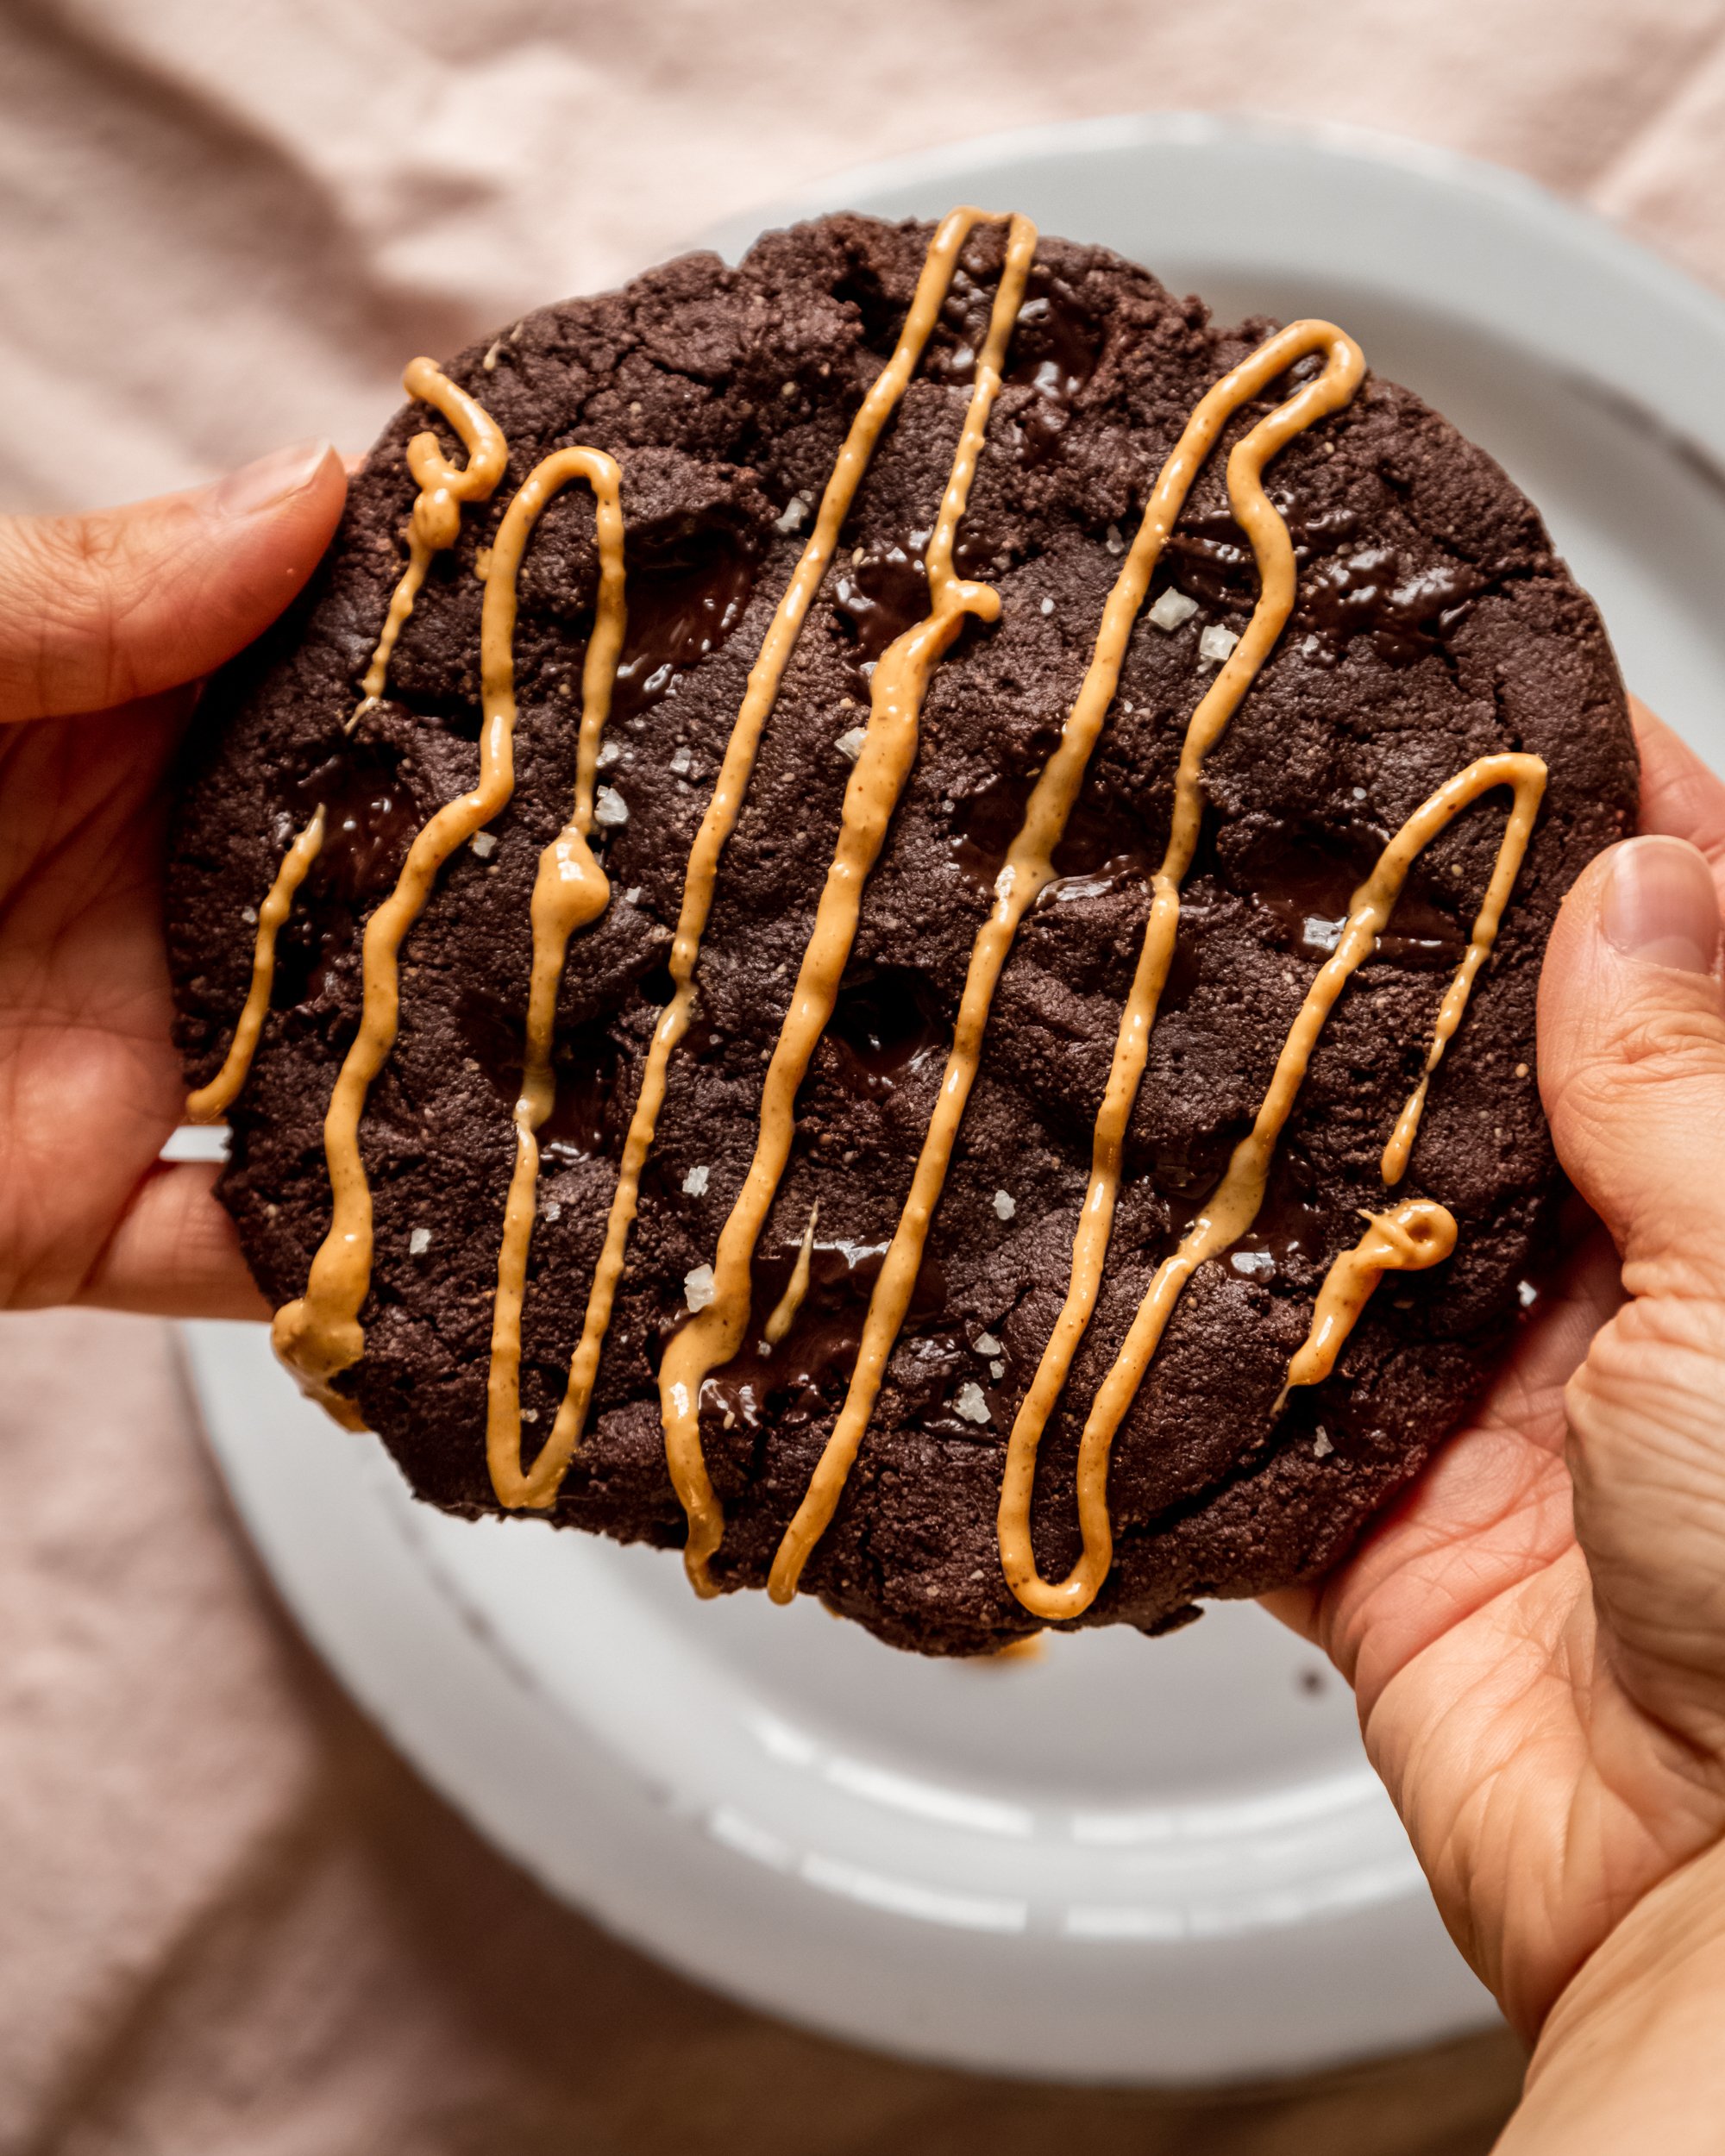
{"type": "Point", "coordinates": [111, 621]}
{"type": "Point", "coordinates": [1536, 1635]}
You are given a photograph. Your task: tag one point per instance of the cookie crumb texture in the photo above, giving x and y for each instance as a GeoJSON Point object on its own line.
{"type": "Point", "coordinates": [1434, 626]}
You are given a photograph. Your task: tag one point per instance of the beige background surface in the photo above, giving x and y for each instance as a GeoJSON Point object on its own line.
{"type": "Point", "coordinates": [228, 1917]}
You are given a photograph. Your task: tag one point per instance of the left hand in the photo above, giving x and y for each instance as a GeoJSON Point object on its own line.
{"type": "Point", "coordinates": [110, 622]}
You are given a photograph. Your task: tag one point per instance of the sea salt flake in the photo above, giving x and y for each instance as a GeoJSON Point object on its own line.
{"type": "Point", "coordinates": [850, 746]}
{"type": "Point", "coordinates": [987, 1344]}
{"type": "Point", "coordinates": [554, 1210]}
{"type": "Point", "coordinates": [970, 1403]}
{"type": "Point", "coordinates": [1048, 606]}
{"type": "Point", "coordinates": [1216, 644]}
{"type": "Point", "coordinates": [1359, 793]}
{"type": "Point", "coordinates": [530, 1415]}
{"type": "Point", "coordinates": [484, 844]}
{"type": "Point", "coordinates": [248, 914]}
{"type": "Point", "coordinates": [610, 809]}
{"type": "Point", "coordinates": [997, 1370]}
{"type": "Point", "coordinates": [1113, 541]}
{"type": "Point", "coordinates": [697, 1287]}
{"type": "Point", "coordinates": [694, 1183]}
{"type": "Point", "coordinates": [609, 751]}
{"type": "Point", "coordinates": [632, 898]}
{"type": "Point", "coordinates": [1528, 1293]}
{"type": "Point", "coordinates": [1005, 1204]}
{"type": "Point", "coordinates": [795, 509]}
{"type": "Point", "coordinates": [1171, 609]}
{"type": "Point", "coordinates": [681, 761]}
{"type": "Point", "coordinates": [419, 1241]}
{"type": "Point", "coordinates": [1253, 1264]}
{"type": "Point", "coordinates": [1321, 1443]}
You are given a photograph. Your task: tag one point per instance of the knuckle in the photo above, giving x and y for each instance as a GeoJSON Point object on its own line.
{"type": "Point", "coordinates": [1671, 1052]}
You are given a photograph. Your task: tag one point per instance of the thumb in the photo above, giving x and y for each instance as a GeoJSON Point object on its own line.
{"type": "Point", "coordinates": [123, 603]}
{"type": "Point", "coordinates": [1632, 1060]}
{"type": "Point", "coordinates": [1631, 1063]}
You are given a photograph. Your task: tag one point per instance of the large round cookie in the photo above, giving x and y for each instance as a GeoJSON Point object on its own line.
{"type": "Point", "coordinates": [1432, 627]}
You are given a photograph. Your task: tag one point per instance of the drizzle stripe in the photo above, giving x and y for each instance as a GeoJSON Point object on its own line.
{"type": "Point", "coordinates": [569, 890]}
{"type": "Point", "coordinates": [722, 813]}
{"type": "Point", "coordinates": [897, 688]}
{"type": "Point", "coordinates": [434, 524]}
{"type": "Point", "coordinates": [1417, 1233]}
{"type": "Point", "coordinates": [209, 1103]}
{"type": "Point", "coordinates": [1228, 1216]}
{"type": "Point", "coordinates": [1029, 867]}
{"type": "Point", "coordinates": [320, 1335]}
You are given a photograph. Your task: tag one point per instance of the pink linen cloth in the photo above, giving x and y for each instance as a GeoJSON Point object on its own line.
{"type": "Point", "coordinates": [229, 1918]}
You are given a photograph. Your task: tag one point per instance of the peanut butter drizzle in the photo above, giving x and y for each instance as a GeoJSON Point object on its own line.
{"type": "Point", "coordinates": [897, 689]}
{"type": "Point", "coordinates": [320, 1335]}
{"type": "Point", "coordinates": [569, 890]}
{"type": "Point", "coordinates": [720, 819]}
{"type": "Point", "coordinates": [1416, 1234]}
{"type": "Point", "coordinates": [1232, 1210]}
{"type": "Point", "coordinates": [435, 522]}
{"type": "Point", "coordinates": [1029, 867]}
{"type": "Point", "coordinates": [209, 1104]}
{"type": "Point", "coordinates": [783, 1314]}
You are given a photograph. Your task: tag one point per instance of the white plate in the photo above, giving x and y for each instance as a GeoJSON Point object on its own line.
{"type": "Point", "coordinates": [1123, 1861]}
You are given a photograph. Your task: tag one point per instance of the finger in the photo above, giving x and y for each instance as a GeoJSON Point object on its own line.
{"type": "Point", "coordinates": [1680, 796]}
{"type": "Point", "coordinates": [1632, 1059]}
{"type": "Point", "coordinates": [174, 1253]}
{"type": "Point", "coordinates": [123, 603]}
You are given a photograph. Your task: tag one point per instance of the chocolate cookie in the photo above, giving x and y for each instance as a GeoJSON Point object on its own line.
{"type": "Point", "coordinates": [851, 876]}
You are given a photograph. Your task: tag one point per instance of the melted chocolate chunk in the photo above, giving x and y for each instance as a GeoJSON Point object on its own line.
{"type": "Point", "coordinates": [1056, 345]}
{"type": "Point", "coordinates": [583, 1063]}
{"type": "Point", "coordinates": [676, 617]}
{"type": "Point", "coordinates": [1305, 878]}
{"type": "Point", "coordinates": [884, 1027]}
{"type": "Point", "coordinates": [787, 1383]}
{"type": "Point", "coordinates": [369, 820]}
{"type": "Point", "coordinates": [1405, 614]}
{"type": "Point", "coordinates": [1211, 560]}
{"type": "Point", "coordinates": [1099, 846]}
{"type": "Point", "coordinates": [879, 598]}
{"type": "Point", "coordinates": [1292, 1233]}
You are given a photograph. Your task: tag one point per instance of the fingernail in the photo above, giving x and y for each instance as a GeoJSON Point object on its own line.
{"type": "Point", "coordinates": [269, 479]}
{"type": "Point", "coordinates": [1661, 906]}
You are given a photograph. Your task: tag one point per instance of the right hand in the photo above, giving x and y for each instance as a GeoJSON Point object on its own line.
{"type": "Point", "coordinates": [1537, 1633]}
